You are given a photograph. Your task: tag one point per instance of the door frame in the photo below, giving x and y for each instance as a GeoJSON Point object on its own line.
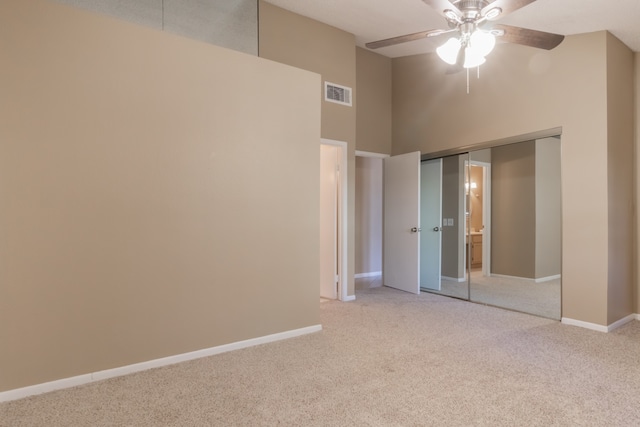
{"type": "Point", "coordinates": [342, 238]}
{"type": "Point", "coordinates": [486, 214]}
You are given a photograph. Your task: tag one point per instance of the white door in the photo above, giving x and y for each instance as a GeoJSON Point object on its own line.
{"type": "Point", "coordinates": [431, 221]}
{"type": "Point", "coordinates": [329, 221]}
{"type": "Point", "coordinates": [401, 265]}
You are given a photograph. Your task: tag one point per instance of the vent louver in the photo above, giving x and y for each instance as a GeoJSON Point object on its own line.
{"type": "Point", "coordinates": [337, 93]}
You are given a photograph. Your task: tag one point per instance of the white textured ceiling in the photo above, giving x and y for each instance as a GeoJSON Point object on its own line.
{"type": "Point", "coordinates": [371, 20]}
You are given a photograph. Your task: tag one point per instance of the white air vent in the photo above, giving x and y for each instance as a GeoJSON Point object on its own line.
{"type": "Point", "coordinates": [336, 93]}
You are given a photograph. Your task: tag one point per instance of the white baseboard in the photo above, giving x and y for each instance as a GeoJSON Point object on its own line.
{"type": "Point", "coordinates": [372, 274]}
{"type": "Point", "coordinates": [23, 392]}
{"type": "Point", "coordinates": [548, 278]}
{"type": "Point", "coordinates": [621, 322]}
{"type": "Point", "coordinates": [349, 298]}
{"type": "Point", "coordinates": [529, 279]}
{"type": "Point", "coordinates": [597, 327]}
{"type": "Point", "coordinates": [586, 325]}
{"type": "Point", "coordinates": [454, 279]}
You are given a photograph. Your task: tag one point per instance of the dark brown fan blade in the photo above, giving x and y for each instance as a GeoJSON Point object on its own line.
{"type": "Point", "coordinates": [441, 5]}
{"type": "Point", "coordinates": [403, 39]}
{"type": "Point", "coordinates": [507, 6]}
{"type": "Point", "coordinates": [526, 37]}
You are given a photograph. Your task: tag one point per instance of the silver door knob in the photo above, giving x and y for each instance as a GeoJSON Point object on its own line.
{"type": "Point", "coordinates": [415, 229]}
{"type": "Point", "coordinates": [436, 229]}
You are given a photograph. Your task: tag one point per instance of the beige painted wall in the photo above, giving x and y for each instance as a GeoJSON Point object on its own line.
{"type": "Point", "coordinates": [523, 90]}
{"type": "Point", "coordinates": [620, 104]}
{"type": "Point", "coordinates": [368, 249]}
{"type": "Point", "coordinates": [513, 210]}
{"type": "Point", "coordinates": [636, 251]}
{"type": "Point", "coordinates": [373, 117]}
{"type": "Point", "coordinates": [304, 43]}
{"type": "Point", "coordinates": [149, 204]}
{"type": "Point", "coordinates": [548, 208]}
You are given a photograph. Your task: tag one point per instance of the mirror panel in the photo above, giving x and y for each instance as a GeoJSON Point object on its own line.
{"type": "Point", "coordinates": [514, 226]}
{"type": "Point", "coordinates": [453, 275]}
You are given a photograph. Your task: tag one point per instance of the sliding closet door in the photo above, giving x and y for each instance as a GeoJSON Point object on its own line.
{"type": "Point", "coordinates": [513, 226]}
{"type": "Point", "coordinates": [452, 229]}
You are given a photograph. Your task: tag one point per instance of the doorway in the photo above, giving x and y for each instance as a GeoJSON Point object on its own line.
{"type": "Point", "coordinates": [333, 219]}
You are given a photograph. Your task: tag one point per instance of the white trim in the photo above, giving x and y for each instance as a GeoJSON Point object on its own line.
{"type": "Point", "coordinates": [505, 276]}
{"type": "Point", "coordinates": [637, 316]}
{"type": "Point", "coordinates": [344, 218]}
{"type": "Point", "coordinates": [23, 392]}
{"type": "Point", "coordinates": [371, 274]}
{"type": "Point", "coordinates": [454, 279]}
{"type": "Point", "coordinates": [621, 322]}
{"type": "Point", "coordinates": [371, 154]}
{"type": "Point", "coordinates": [599, 328]}
{"type": "Point", "coordinates": [548, 278]}
{"type": "Point", "coordinates": [587, 325]}
{"type": "Point", "coordinates": [528, 279]}
{"type": "Point", "coordinates": [349, 298]}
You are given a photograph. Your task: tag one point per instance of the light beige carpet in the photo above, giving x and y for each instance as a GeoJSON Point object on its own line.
{"type": "Point", "coordinates": [387, 359]}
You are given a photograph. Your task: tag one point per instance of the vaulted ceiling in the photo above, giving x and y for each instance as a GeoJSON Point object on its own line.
{"type": "Point", "coordinates": [371, 20]}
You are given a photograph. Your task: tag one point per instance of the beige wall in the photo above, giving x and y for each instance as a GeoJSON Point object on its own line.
{"type": "Point", "coordinates": [548, 208]}
{"type": "Point", "coordinates": [513, 210]}
{"type": "Point", "coordinates": [636, 252]}
{"type": "Point", "coordinates": [304, 43]}
{"type": "Point", "coordinates": [373, 117]}
{"type": "Point", "coordinates": [149, 205]}
{"type": "Point", "coordinates": [368, 249]}
{"type": "Point", "coordinates": [620, 179]}
{"type": "Point", "coordinates": [523, 90]}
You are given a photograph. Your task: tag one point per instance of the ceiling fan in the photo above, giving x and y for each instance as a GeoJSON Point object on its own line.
{"type": "Point", "coordinates": [472, 21]}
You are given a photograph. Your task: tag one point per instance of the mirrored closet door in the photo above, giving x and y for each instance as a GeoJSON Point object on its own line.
{"type": "Point", "coordinates": [514, 226]}
{"type": "Point", "coordinates": [498, 241]}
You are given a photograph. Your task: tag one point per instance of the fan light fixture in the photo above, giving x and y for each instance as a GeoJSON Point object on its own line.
{"type": "Point", "coordinates": [476, 46]}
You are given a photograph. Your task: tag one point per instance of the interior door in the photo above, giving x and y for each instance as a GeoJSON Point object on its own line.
{"type": "Point", "coordinates": [401, 265]}
{"type": "Point", "coordinates": [431, 221]}
{"type": "Point", "coordinates": [328, 221]}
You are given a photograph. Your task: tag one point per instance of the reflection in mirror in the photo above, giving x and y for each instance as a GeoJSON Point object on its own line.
{"type": "Point", "coordinates": [454, 281]}
{"type": "Point", "coordinates": [514, 226]}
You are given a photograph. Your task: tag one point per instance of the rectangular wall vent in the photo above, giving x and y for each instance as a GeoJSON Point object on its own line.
{"type": "Point", "coordinates": [337, 93]}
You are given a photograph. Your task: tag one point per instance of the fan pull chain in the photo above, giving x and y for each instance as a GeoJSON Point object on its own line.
{"type": "Point", "coordinates": [467, 81]}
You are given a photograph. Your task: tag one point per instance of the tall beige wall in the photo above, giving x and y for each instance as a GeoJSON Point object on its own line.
{"type": "Point", "coordinates": [636, 251]}
{"type": "Point", "coordinates": [523, 90]}
{"type": "Point", "coordinates": [620, 135]}
{"type": "Point", "coordinates": [368, 248]}
{"type": "Point", "coordinates": [149, 205]}
{"type": "Point", "coordinates": [373, 117]}
{"type": "Point", "coordinates": [304, 43]}
{"type": "Point", "coordinates": [548, 208]}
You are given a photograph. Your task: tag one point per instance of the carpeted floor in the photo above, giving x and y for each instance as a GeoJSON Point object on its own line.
{"type": "Point", "coordinates": [387, 359]}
